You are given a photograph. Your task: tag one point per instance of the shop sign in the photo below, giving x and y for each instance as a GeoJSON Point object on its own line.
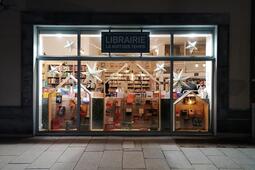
{"type": "Point", "coordinates": [125, 42]}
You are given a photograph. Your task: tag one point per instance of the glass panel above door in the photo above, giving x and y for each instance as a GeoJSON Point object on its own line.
{"type": "Point", "coordinates": [193, 45]}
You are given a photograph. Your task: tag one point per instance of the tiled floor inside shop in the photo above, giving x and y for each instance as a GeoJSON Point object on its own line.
{"type": "Point", "coordinates": [115, 153]}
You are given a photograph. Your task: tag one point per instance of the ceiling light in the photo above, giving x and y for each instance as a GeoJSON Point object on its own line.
{"type": "Point", "coordinates": [59, 35]}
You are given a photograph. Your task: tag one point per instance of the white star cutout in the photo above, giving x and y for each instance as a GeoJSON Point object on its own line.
{"type": "Point", "coordinates": [54, 69]}
{"type": "Point", "coordinates": [93, 73]}
{"type": "Point", "coordinates": [70, 45]}
{"type": "Point", "coordinates": [160, 68]}
{"type": "Point", "coordinates": [179, 80]}
{"type": "Point", "coordinates": [191, 46]}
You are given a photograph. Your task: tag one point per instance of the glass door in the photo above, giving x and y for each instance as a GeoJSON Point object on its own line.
{"type": "Point", "coordinates": [57, 95]}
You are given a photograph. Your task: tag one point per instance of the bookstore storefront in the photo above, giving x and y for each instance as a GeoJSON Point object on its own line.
{"type": "Point", "coordinates": [132, 79]}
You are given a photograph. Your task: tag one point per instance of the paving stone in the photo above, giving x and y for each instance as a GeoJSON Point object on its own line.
{"type": "Point", "coordinates": [13, 149]}
{"type": "Point", "coordinates": [205, 167]}
{"type": "Point", "coordinates": [31, 154]}
{"type": "Point", "coordinates": [176, 159]}
{"type": "Point", "coordinates": [133, 160]}
{"type": "Point", "coordinates": [5, 160]}
{"type": "Point", "coordinates": [15, 167]}
{"type": "Point", "coordinates": [40, 147]}
{"type": "Point", "coordinates": [195, 156]}
{"type": "Point", "coordinates": [137, 146]}
{"type": "Point", "coordinates": [134, 169]}
{"type": "Point", "coordinates": [80, 142]}
{"type": "Point", "coordinates": [115, 144]}
{"type": "Point", "coordinates": [211, 151]}
{"type": "Point", "coordinates": [248, 151]}
{"type": "Point", "coordinates": [128, 144]}
{"type": "Point", "coordinates": [27, 157]}
{"type": "Point", "coordinates": [46, 160]}
{"type": "Point", "coordinates": [89, 161]}
{"type": "Point", "coordinates": [183, 169]}
{"type": "Point", "coordinates": [169, 147]}
{"type": "Point", "coordinates": [150, 144]}
{"type": "Point", "coordinates": [153, 153]}
{"type": "Point", "coordinates": [58, 147]}
{"type": "Point", "coordinates": [71, 155]}
{"type": "Point", "coordinates": [96, 145]}
{"type": "Point", "coordinates": [243, 160]}
{"type": "Point", "coordinates": [156, 164]}
{"type": "Point", "coordinates": [63, 166]}
{"type": "Point", "coordinates": [231, 169]}
{"type": "Point", "coordinates": [248, 167]}
{"type": "Point", "coordinates": [111, 159]}
{"type": "Point", "coordinates": [36, 169]}
{"type": "Point", "coordinates": [238, 156]}
{"type": "Point", "coordinates": [233, 152]}
{"type": "Point", "coordinates": [223, 162]}
{"type": "Point", "coordinates": [109, 168]}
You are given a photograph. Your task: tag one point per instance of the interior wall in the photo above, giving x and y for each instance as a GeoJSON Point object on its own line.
{"type": "Point", "coordinates": [239, 11]}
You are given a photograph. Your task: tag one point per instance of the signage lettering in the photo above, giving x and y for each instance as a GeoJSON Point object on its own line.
{"type": "Point", "coordinates": [125, 42]}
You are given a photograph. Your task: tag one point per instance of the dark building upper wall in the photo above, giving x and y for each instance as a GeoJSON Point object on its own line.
{"type": "Point", "coordinates": [239, 11]}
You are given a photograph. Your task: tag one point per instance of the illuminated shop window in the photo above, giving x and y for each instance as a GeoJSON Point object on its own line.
{"type": "Point", "coordinates": [91, 45]}
{"type": "Point", "coordinates": [58, 44]}
{"type": "Point", "coordinates": [192, 86]}
{"type": "Point", "coordinates": [57, 95]}
{"type": "Point", "coordinates": [193, 45]}
{"type": "Point", "coordinates": [159, 45]}
{"type": "Point", "coordinates": [126, 95]}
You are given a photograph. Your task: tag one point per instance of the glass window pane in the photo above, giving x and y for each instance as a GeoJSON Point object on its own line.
{"type": "Point", "coordinates": [193, 45]}
{"type": "Point", "coordinates": [91, 45]}
{"type": "Point", "coordinates": [58, 44]}
{"type": "Point", "coordinates": [192, 86]}
{"type": "Point", "coordinates": [126, 95]}
{"type": "Point", "coordinates": [159, 45]}
{"type": "Point", "coordinates": [57, 95]}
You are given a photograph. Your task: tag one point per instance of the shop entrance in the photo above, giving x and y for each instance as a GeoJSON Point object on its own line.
{"type": "Point", "coordinates": [81, 89]}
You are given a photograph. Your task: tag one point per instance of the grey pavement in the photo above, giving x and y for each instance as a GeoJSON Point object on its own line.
{"type": "Point", "coordinates": [117, 153]}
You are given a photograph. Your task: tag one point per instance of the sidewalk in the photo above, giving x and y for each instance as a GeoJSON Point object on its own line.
{"type": "Point", "coordinates": [116, 153]}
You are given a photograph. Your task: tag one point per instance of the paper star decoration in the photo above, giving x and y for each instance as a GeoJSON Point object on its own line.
{"type": "Point", "coordinates": [179, 80]}
{"type": "Point", "coordinates": [93, 73]}
{"type": "Point", "coordinates": [70, 45]}
{"type": "Point", "coordinates": [160, 68]}
{"type": "Point", "coordinates": [191, 46]}
{"type": "Point", "coordinates": [54, 70]}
